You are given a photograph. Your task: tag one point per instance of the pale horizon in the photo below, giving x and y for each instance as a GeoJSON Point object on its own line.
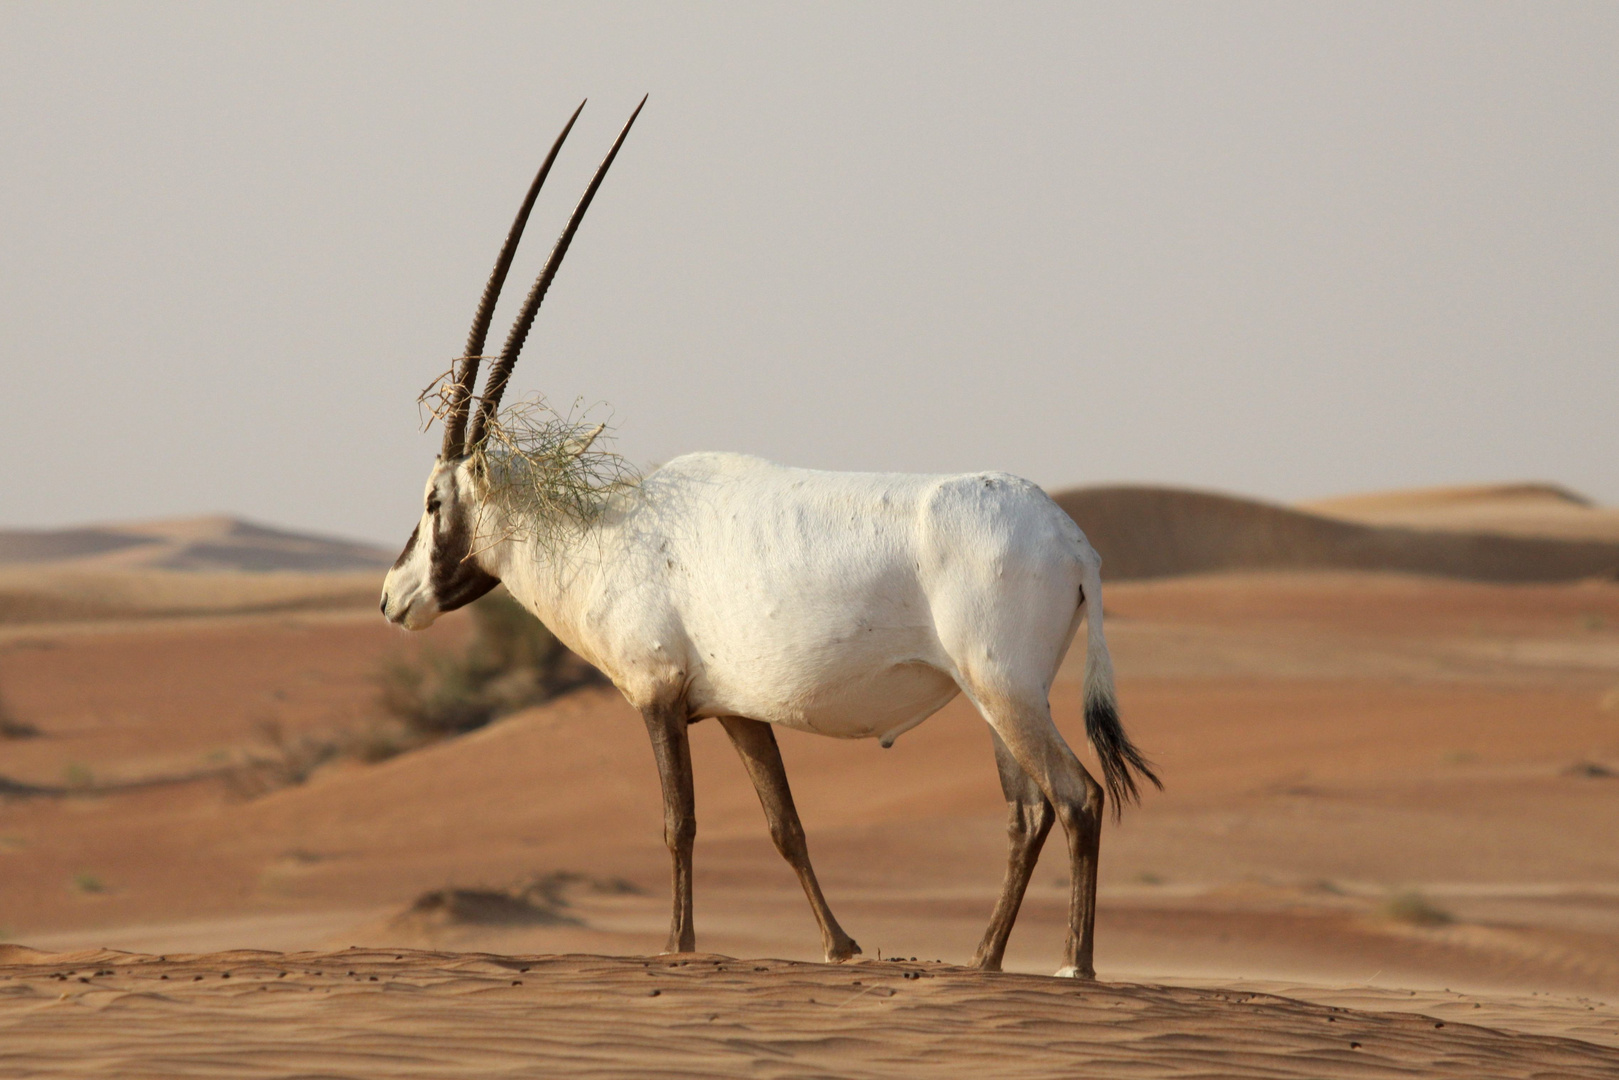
{"type": "Point", "coordinates": [1276, 251]}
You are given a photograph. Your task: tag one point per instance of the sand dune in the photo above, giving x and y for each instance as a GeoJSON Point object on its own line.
{"type": "Point", "coordinates": [221, 565]}
{"type": "Point", "coordinates": [179, 568]}
{"type": "Point", "coordinates": [206, 544]}
{"type": "Point", "coordinates": [1149, 532]}
{"type": "Point", "coordinates": [1335, 745]}
{"type": "Point", "coordinates": [1542, 510]}
{"type": "Point", "coordinates": [54, 594]}
{"type": "Point", "coordinates": [407, 1013]}
{"type": "Point", "coordinates": [1328, 741]}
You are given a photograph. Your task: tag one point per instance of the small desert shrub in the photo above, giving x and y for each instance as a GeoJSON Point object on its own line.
{"type": "Point", "coordinates": [377, 742]}
{"type": "Point", "coordinates": [1414, 909]}
{"type": "Point", "coordinates": [13, 728]}
{"type": "Point", "coordinates": [280, 760]}
{"type": "Point", "coordinates": [88, 884]}
{"type": "Point", "coordinates": [542, 898]}
{"type": "Point", "coordinates": [512, 662]}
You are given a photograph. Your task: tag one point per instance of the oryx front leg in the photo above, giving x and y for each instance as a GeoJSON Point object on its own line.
{"type": "Point", "coordinates": [1029, 820]}
{"type": "Point", "coordinates": [666, 724]}
{"type": "Point", "coordinates": [1025, 727]}
{"type": "Point", "coordinates": [756, 744]}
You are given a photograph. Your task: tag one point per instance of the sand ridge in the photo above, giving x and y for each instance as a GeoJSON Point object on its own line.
{"type": "Point", "coordinates": [1154, 532]}
{"type": "Point", "coordinates": [1330, 739]}
{"type": "Point", "coordinates": [1531, 509]}
{"type": "Point", "coordinates": [407, 1013]}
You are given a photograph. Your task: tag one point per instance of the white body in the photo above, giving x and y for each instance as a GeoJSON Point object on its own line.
{"type": "Point", "coordinates": [847, 604]}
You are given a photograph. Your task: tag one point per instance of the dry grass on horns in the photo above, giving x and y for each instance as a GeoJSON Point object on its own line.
{"type": "Point", "coordinates": [547, 471]}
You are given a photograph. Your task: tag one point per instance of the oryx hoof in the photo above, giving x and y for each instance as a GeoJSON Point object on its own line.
{"type": "Point", "coordinates": [1069, 971]}
{"type": "Point", "coordinates": [838, 954]}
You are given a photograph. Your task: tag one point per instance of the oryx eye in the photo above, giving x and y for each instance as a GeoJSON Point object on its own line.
{"type": "Point", "coordinates": [432, 504]}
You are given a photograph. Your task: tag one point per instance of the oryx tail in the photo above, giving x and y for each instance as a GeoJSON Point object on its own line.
{"type": "Point", "coordinates": [1119, 756]}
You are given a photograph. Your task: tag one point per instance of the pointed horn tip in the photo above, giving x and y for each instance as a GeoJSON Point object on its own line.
{"type": "Point", "coordinates": [495, 386]}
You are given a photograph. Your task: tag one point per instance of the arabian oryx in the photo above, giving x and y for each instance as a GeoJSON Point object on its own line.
{"type": "Point", "coordinates": [846, 604]}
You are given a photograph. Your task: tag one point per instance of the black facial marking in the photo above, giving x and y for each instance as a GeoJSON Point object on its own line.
{"type": "Point", "coordinates": [410, 546]}
{"type": "Point", "coordinates": [457, 580]}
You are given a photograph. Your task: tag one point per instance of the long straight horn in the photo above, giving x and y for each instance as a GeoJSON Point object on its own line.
{"type": "Point", "coordinates": [496, 386]}
{"type": "Point", "coordinates": [455, 424]}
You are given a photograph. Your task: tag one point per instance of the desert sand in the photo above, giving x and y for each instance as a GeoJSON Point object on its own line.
{"type": "Point", "coordinates": [365, 1012]}
{"type": "Point", "coordinates": [1533, 510]}
{"type": "Point", "coordinates": [1389, 795]}
{"type": "Point", "coordinates": [1470, 534]}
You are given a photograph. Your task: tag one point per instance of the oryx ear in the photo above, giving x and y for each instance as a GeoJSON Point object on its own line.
{"type": "Point", "coordinates": [475, 471]}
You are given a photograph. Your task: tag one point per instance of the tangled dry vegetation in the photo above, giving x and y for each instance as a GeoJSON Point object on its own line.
{"type": "Point", "coordinates": [546, 472]}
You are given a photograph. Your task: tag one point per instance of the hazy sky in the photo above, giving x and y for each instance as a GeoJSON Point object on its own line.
{"type": "Point", "coordinates": [1288, 250]}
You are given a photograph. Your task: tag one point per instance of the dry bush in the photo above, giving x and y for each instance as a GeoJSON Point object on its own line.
{"type": "Point", "coordinates": [1414, 909]}
{"type": "Point", "coordinates": [279, 761]}
{"type": "Point", "coordinates": [512, 662]}
{"type": "Point", "coordinates": [13, 728]}
{"type": "Point", "coordinates": [377, 742]}
{"type": "Point", "coordinates": [551, 890]}
{"type": "Point", "coordinates": [541, 899]}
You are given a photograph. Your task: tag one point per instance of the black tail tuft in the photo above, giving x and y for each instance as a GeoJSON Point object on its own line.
{"type": "Point", "coordinates": [1119, 756]}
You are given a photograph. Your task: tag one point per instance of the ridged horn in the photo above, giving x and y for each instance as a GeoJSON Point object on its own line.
{"type": "Point", "coordinates": [496, 386]}
{"type": "Point", "coordinates": [455, 423]}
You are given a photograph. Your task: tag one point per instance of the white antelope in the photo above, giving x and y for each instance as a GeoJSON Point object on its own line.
{"type": "Point", "coordinates": [846, 604]}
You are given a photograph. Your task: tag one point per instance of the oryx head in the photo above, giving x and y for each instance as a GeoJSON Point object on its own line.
{"type": "Point", "coordinates": [440, 568]}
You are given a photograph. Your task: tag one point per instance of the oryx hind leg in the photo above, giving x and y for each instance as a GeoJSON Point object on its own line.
{"type": "Point", "coordinates": [755, 742]}
{"type": "Point", "coordinates": [666, 724]}
{"type": "Point", "coordinates": [1023, 723]}
{"type": "Point", "coordinates": [1029, 818]}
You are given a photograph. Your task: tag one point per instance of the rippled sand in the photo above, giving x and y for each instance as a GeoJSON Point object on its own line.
{"type": "Point", "coordinates": [407, 1013]}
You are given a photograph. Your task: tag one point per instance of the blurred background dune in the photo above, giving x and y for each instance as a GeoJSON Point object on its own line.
{"type": "Point", "coordinates": [1391, 749]}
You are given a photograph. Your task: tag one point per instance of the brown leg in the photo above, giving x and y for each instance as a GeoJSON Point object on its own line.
{"type": "Point", "coordinates": [1029, 820]}
{"type": "Point", "coordinates": [1083, 824]}
{"type": "Point", "coordinates": [1033, 740]}
{"type": "Point", "coordinates": [756, 743]}
{"type": "Point", "coordinates": [667, 726]}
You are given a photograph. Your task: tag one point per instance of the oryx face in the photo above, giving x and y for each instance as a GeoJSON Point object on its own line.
{"type": "Point", "coordinates": [437, 571]}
